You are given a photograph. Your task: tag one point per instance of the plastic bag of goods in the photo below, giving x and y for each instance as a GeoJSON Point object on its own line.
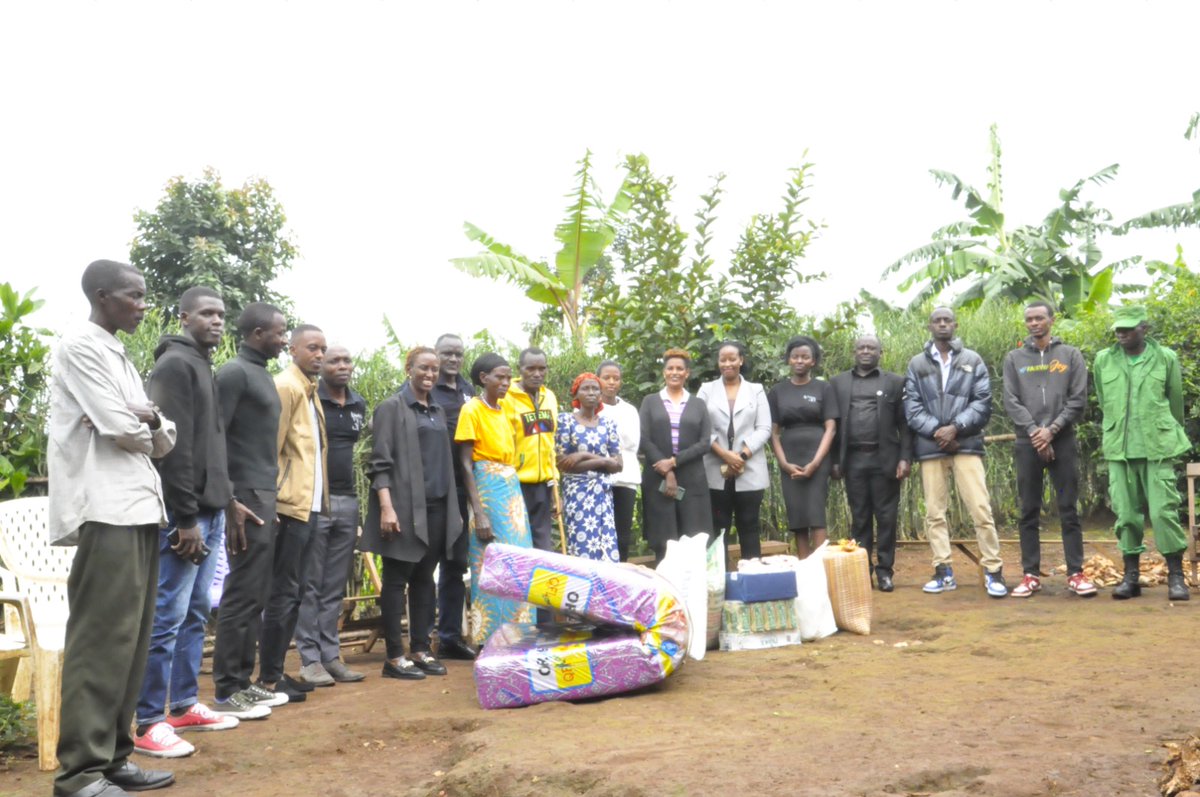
{"type": "Point", "coordinates": [848, 571]}
{"type": "Point", "coordinates": [814, 612]}
{"type": "Point", "coordinates": [523, 664]}
{"type": "Point", "coordinates": [685, 567]}
{"type": "Point", "coordinates": [607, 593]}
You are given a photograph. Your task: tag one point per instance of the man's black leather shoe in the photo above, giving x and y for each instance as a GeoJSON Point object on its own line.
{"type": "Point", "coordinates": [130, 777]}
{"type": "Point", "coordinates": [456, 649]}
{"type": "Point", "coordinates": [885, 582]}
{"type": "Point", "coordinates": [428, 664]}
{"type": "Point", "coordinates": [407, 671]}
{"type": "Point", "coordinates": [97, 788]}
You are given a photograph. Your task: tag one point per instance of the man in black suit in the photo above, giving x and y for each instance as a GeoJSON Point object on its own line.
{"type": "Point", "coordinates": [873, 451]}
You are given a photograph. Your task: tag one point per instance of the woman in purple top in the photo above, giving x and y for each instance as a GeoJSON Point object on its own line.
{"type": "Point", "coordinates": [675, 436]}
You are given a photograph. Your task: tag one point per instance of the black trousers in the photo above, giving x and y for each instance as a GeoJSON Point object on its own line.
{"type": "Point", "coordinates": [111, 594]}
{"type": "Point", "coordinates": [874, 498]}
{"type": "Point", "coordinates": [730, 508]}
{"type": "Point", "coordinates": [624, 499]}
{"type": "Point", "coordinates": [1064, 475]}
{"type": "Point", "coordinates": [451, 592]}
{"type": "Point", "coordinates": [244, 596]}
{"type": "Point", "coordinates": [538, 504]}
{"type": "Point", "coordinates": [283, 605]}
{"type": "Point", "coordinates": [418, 577]}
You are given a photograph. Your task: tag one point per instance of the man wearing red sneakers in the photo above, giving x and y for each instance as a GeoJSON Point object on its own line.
{"type": "Point", "coordinates": [1045, 393]}
{"type": "Point", "coordinates": [197, 491]}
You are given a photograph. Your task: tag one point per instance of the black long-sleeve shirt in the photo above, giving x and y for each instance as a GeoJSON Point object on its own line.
{"type": "Point", "coordinates": [250, 412]}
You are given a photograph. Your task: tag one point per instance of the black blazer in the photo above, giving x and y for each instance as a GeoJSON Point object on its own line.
{"type": "Point", "coordinates": [895, 437]}
{"type": "Point", "coordinates": [395, 463]}
{"type": "Point", "coordinates": [662, 519]}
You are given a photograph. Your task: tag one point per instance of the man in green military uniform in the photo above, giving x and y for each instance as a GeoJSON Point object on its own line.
{"type": "Point", "coordinates": [1141, 396]}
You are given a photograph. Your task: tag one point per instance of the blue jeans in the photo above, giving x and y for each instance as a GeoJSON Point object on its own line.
{"type": "Point", "coordinates": [180, 615]}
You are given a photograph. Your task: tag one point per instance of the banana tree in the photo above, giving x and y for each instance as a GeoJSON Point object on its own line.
{"type": "Point", "coordinates": [584, 235]}
{"type": "Point", "coordinates": [1058, 259]}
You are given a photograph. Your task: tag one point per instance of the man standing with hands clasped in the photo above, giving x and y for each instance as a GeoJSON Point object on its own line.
{"type": "Point", "coordinates": [1140, 389]}
{"type": "Point", "coordinates": [873, 452]}
{"type": "Point", "coordinates": [195, 476]}
{"type": "Point", "coordinates": [948, 403]}
{"type": "Point", "coordinates": [1045, 393]}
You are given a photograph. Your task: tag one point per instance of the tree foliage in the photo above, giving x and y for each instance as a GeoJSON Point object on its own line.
{"type": "Point", "coordinates": [584, 235]}
{"type": "Point", "coordinates": [201, 233]}
{"type": "Point", "coordinates": [24, 377]}
{"type": "Point", "coordinates": [669, 296]}
{"type": "Point", "coordinates": [982, 257]}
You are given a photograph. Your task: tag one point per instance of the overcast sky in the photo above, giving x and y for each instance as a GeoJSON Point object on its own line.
{"type": "Point", "coordinates": [383, 126]}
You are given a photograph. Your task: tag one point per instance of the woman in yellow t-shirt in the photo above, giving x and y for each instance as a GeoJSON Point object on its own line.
{"type": "Point", "coordinates": [489, 457]}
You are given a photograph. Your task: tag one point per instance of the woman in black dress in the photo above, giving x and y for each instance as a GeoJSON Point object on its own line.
{"type": "Point", "coordinates": [804, 415]}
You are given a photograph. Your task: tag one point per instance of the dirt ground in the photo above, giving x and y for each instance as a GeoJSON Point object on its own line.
{"type": "Point", "coordinates": [1053, 695]}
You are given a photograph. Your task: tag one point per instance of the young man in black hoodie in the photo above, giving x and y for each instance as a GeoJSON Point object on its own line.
{"type": "Point", "coordinates": [197, 491]}
{"type": "Point", "coordinates": [1045, 393]}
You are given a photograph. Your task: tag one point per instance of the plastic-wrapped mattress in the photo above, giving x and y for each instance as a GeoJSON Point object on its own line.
{"type": "Point", "coordinates": [523, 664]}
{"type": "Point", "coordinates": [636, 634]}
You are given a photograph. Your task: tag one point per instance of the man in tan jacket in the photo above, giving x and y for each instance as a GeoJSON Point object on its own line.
{"type": "Point", "coordinates": [303, 493]}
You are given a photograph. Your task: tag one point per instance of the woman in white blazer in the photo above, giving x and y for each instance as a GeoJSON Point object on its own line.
{"type": "Point", "coordinates": [736, 465]}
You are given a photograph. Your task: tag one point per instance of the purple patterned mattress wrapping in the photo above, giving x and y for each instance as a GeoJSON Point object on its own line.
{"type": "Point", "coordinates": [640, 635]}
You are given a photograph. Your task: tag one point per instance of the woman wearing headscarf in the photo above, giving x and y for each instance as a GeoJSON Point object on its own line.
{"type": "Point", "coordinates": [489, 458]}
{"type": "Point", "coordinates": [411, 521]}
{"type": "Point", "coordinates": [589, 452]}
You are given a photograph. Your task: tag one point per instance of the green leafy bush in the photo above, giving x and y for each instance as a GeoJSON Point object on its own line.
{"type": "Point", "coordinates": [24, 377]}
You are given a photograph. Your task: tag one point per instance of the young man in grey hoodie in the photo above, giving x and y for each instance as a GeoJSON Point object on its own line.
{"type": "Point", "coordinates": [1045, 392]}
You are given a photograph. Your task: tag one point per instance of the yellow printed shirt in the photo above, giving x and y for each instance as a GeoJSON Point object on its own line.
{"type": "Point", "coordinates": [533, 428]}
{"type": "Point", "coordinates": [490, 430]}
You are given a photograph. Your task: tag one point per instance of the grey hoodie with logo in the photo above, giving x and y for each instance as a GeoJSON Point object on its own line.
{"type": "Point", "coordinates": [1044, 388]}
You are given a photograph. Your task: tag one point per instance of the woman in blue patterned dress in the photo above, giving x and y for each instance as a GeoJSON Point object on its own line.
{"type": "Point", "coordinates": [589, 451]}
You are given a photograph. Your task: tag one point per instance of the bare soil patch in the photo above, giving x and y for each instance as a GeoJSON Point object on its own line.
{"type": "Point", "coordinates": [1053, 695]}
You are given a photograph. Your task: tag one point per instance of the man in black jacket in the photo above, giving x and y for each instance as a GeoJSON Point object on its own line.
{"type": "Point", "coordinates": [948, 403]}
{"type": "Point", "coordinates": [873, 451]}
{"type": "Point", "coordinates": [250, 412]}
{"type": "Point", "coordinates": [197, 492]}
{"type": "Point", "coordinates": [1045, 393]}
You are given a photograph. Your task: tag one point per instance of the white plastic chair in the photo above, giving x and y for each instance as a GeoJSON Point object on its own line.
{"type": "Point", "coordinates": [37, 572]}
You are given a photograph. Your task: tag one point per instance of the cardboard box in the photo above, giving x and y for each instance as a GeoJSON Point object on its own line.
{"type": "Point", "coordinates": [771, 639]}
{"type": "Point", "coordinates": [757, 587]}
{"type": "Point", "coordinates": [757, 618]}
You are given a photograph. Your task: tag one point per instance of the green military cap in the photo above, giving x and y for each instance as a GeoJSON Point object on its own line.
{"type": "Point", "coordinates": [1129, 316]}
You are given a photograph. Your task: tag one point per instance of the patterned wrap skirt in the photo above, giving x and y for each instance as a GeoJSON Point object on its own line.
{"type": "Point", "coordinates": [500, 494]}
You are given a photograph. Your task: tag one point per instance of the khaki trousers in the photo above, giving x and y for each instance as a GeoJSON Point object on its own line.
{"type": "Point", "coordinates": [972, 489]}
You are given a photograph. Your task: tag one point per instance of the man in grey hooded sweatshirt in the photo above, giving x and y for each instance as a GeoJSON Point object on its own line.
{"type": "Point", "coordinates": [1045, 392]}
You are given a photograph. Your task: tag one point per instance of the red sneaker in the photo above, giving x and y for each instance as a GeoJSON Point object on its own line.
{"type": "Point", "coordinates": [1029, 585]}
{"type": "Point", "coordinates": [160, 741]}
{"type": "Point", "coordinates": [1080, 585]}
{"type": "Point", "coordinates": [200, 717]}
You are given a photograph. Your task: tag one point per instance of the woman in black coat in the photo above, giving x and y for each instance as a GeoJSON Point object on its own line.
{"type": "Point", "coordinates": [675, 436]}
{"type": "Point", "coordinates": [412, 515]}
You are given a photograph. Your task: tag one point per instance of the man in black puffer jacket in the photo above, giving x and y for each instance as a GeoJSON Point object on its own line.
{"type": "Point", "coordinates": [948, 403]}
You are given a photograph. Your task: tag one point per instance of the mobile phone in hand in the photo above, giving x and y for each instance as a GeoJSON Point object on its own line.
{"type": "Point", "coordinates": [199, 556]}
